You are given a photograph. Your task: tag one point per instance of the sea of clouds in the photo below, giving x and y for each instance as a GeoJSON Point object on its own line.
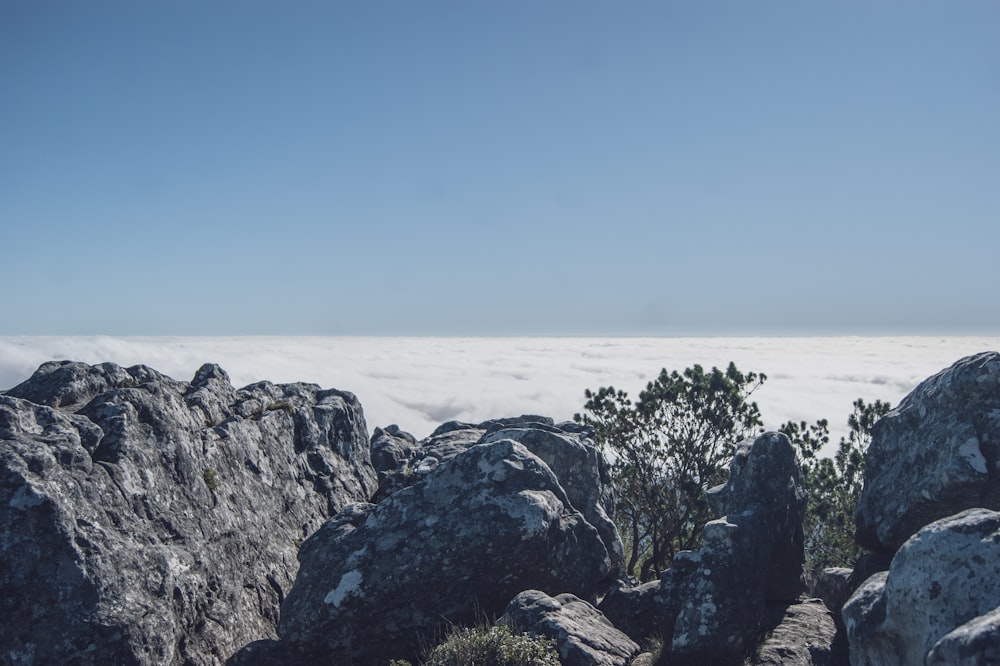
{"type": "Point", "coordinates": [419, 383]}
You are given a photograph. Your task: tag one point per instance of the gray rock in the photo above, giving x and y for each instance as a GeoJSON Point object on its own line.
{"type": "Point", "coordinates": [764, 484]}
{"type": "Point", "coordinates": [567, 448]}
{"type": "Point", "coordinates": [936, 454]}
{"type": "Point", "coordinates": [401, 464]}
{"type": "Point", "coordinates": [149, 521]}
{"type": "Point", "coordinates": [833, 586]}
{"type": "Point", "coordinates": [641, 611]}
{"type": "Point", "coordinates": [391, 448]}
{"type": "Point", "coordinates": [711, 604]}
{"type": "Point", "coordinates": [582, 471]}
{"type": "Point", "coordinates": [379, 580]}
{"type": "Point", "coordinates": [863, 615]}
{"type": "Point", "coordinates": [803, 637]}
{"type": "Point", "coordinates": [942, 578]}
{"type": "Point", "coordinates": [751, 556]}
{"type": "Point", "coordinates": [583, 636]}
{"type": "Point", "coordinates": [268, 652]}
{"type": "Point", "coordinates": [975, 643]}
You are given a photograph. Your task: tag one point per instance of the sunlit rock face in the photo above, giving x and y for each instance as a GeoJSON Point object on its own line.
{"type": "Point", "coordinates": [380, 581]}
{"type": "Point", "coordinates": [936, 454]}
{"type": "Point", "coordinates": [582, 634]}
{"type": "Point", "coordinates": [938, 602]}
{"type": "Point", "coordinates": [145, 520]}
{"type": "Point", "coordinates": [567, 448]}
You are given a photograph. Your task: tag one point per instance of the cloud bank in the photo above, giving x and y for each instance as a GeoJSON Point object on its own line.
{"type": "Point", "coordinates": [418, 383]}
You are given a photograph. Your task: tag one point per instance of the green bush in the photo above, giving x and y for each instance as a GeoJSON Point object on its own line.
{"type": "Point", "coordinates": [211, 479]}
{"type": "Point", "coordinates": [492, 646]}
{"type": "Point", "coordinates": [834, 484]}
{"type": "Point", "coordinates": [667, 449]}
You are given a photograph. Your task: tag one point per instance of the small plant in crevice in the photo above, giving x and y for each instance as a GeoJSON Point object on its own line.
{"type": "Point", "coordinates": [212, 480]}
{"type": "Point", "coordinates": [281, 404]}
{"type": "Point", "coordinates": [128, 382]}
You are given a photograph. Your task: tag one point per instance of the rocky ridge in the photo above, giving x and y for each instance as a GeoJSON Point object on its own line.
{"type": "Point", "coordinates": [146, 520]}
{"type": "Point", "coordinates": [929, 510]}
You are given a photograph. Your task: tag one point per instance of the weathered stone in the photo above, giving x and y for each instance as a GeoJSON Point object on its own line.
{"type": "Point", "coordinates": [943, 577]}
{"type": "Point", "coordinates": [159, 523]}
{"type": "Point", "coordinates": [751, 556]}
{"type": "Point", "coordinates": [581, 469]}
{"type": "Point", "coordinates": [583, 636]}
{"type": "Point", "coordinates": [267, 652]}
{"type": "Point", "coordinates": [764, 482]}
{"type": "Point", "coordinates": [803, 637]}
{"type": "Point", "coordinates": [975, 643]}
{"type": "Point", "coordinates": [711, 604]}
{"type": "Point", "coordinates": [381, 579]}
{"type": "Point", "coordinates": [867, 566]}
{"type": "Point", "coordinates": [863, 615]}
{"type": "Point", "coordinates": [391, 448]}
{"type": "Point", "coordinates": [833, 586]}
{"type": "Point", "coordinates": [936, 454]}
{"type": "Point", "coordinates": [641, 611]}
{"type": "Point", "coordinates": [567, 448]}
{"type": "Point", "coordinates": [402, 464]}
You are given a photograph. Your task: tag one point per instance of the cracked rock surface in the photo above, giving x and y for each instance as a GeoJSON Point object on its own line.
{"type": "Point", "coordinates": [381, 581]}
{"type": "Point", "coordinates": [145, 520]}
{"type": "Point", "coordinates": [936, 454]}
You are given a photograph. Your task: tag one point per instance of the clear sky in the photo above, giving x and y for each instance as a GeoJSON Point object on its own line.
{"type": "Point", "coordinates": [552, 167]}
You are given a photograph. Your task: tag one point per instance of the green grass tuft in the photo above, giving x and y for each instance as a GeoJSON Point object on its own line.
{"type": "Point", "coordinates": [492, 646]}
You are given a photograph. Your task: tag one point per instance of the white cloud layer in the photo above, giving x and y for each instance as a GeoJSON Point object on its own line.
{"type": "Point", "coordinates": [418, 383]}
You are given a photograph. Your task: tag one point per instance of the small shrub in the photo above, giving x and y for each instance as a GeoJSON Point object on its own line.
{"type": "Point", "coordinates": [492, 646]}
{"type": "Point", "coordinates": [281, 404]}
{"type": "Point", "coordinates": [654, 646]}
{"type": "Point", "coordinates": [212, 480]}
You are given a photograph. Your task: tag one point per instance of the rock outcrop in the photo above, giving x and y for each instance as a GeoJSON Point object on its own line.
{"type": "Point", "coordinates": [583, 635]}
{"type": "Point", "coordinates": [710, 606]}
{"type": "Point", "coordinates": [380, 580]}
{"type": "Point", "coordinates": [938, 600]}
{"type": "Point", "coordinates": [750, 557]}
{"type": "Point", "coordinates": [804, 636]}
{"type": "Point", "coordinates": [567, 448]}
{"type": "Point", "coordinates": [145, 520]}
{"type": "Point", "coordinates": [936, 454]}
{"type": "Point", "coordinates": [974, 643]}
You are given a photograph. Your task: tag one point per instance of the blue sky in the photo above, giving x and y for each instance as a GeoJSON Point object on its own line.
{"type": "Point", "coordinates": [498, 168]}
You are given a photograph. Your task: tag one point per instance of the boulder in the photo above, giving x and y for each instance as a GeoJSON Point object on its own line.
{"type": "Point", "coordinates": [974, 643]}
{"type": "Point", "coordinates": [380, 581]}
{"type": "Point", "coordinates": [833, 586]}
{"type": "Point", "coordinates": [941, 580]}
{"type": "Point", "coordinates": [403, 461]}
{"type": "Point", "coordinates": [147, 520]}
{"type": "Point", "coordinates": [391, 448]}
{"type": "Point", "coordinates": [567, 448]}
{"type": "Point", "coordinates": [750, 557]}
{"type": "Point", "coordinates": [582, 470]}
{"type": "Point", "coordinates": [583, 635]}
{"type": "Point", "coordinates": [711, 604]}
{"type": "Point", "coordinates": [804, 636]}
{"type": "Point", "coordinates": [936, 454]}
{"type": "Point", "coordinates": [641, 611]}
